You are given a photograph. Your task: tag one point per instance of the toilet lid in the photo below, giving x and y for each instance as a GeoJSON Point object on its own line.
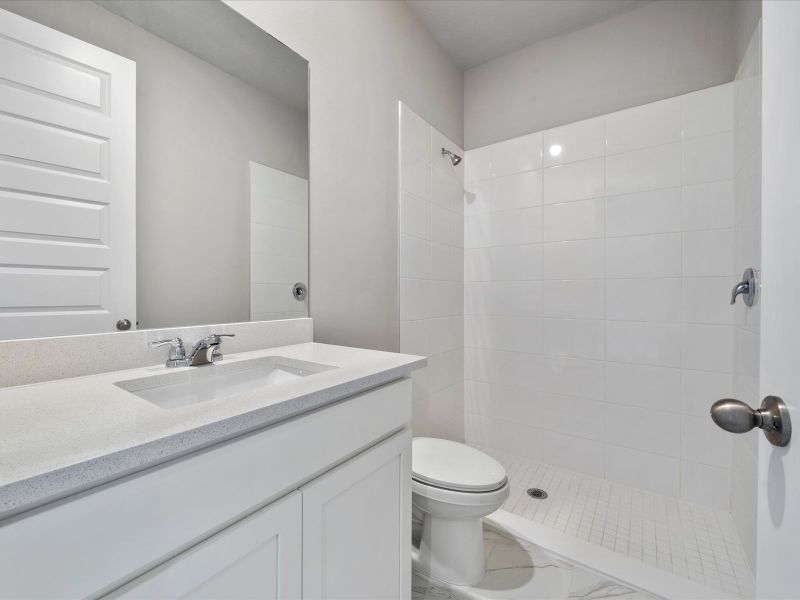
{"type": "Point", "coordinates": [455, 466]}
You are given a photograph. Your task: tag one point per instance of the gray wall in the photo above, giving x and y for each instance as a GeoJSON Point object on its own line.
{"type": "Point", "coordinates": [659, 50]}
{"type": "Point", "coordinates": [747, 15]}
{"type": "Point", "coordinates": [364, 57]}
{"type": "Point", "coordinates": [197, 130]}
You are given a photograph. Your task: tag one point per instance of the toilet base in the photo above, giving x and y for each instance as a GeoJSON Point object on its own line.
{"type": "Point", "coordinates": [452, 550]}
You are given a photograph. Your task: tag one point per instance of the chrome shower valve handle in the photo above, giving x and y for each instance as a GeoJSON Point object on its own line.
{"type": "Point", "coordinates": [747, 288]}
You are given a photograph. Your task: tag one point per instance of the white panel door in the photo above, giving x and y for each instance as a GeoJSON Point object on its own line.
{"type": "Point", "coordinates": [778, 522]}
{"type": "Point", "coordinates": [357, 526]}
{"type": "Point", "coordinates": [67, 183]}
{"type": "Point", "coordinates": [257, 558]}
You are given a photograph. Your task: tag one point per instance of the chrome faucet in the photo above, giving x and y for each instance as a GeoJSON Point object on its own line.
{"type": "Point", "coordinates": [207, 350]}
{"type": "Point", "coordinates": [204, 352]}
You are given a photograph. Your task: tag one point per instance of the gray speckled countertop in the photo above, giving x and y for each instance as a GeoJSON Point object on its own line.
{"type": "Point", "coordinates": [61, 437]}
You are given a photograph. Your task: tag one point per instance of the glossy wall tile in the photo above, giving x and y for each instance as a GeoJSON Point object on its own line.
{"type": "Point", "coordinates": [431, 268]}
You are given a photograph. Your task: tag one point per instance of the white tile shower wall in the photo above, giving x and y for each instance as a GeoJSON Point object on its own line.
{"type": "Point", "coordinates": [747, 237]}
{"type": "Point", "coordinates": [598, 262]}
{"type": "Point", "coordinates": [278, 243]}
{"type": "Point", "coordinates": [432, 274]}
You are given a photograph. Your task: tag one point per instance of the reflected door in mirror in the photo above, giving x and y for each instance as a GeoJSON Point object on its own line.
{"type": "Point", "coordinates": [67, 183]}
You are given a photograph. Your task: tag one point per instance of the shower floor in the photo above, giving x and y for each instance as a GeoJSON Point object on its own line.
{"type": "Point", "coordinates": [681, 538]}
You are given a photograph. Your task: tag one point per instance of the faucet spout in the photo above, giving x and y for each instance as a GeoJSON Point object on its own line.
{"type": "Point", "coordinates": [207, 350]}
{"type": "Point", "coordinates": [202, 354]}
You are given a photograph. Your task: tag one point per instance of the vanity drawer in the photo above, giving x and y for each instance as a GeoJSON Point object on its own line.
{"type": "Point", "coordinates": [90, 543]}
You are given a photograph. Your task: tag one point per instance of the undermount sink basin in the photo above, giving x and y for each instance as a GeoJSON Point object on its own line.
{"type": "Point", "coordinates": [192, 385]}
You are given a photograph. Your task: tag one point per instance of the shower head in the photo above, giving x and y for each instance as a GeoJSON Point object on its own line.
{"type": "Point", "coordinates": [454, 158]}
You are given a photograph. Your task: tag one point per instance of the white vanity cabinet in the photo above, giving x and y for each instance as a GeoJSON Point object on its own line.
{"type": "Point", "coordinates": [356, 522]}
{"type": "Point", "coordinates": [342, 535]}
{"type": "Point", "coordinates": [258, 557]}
{"type": "Point", "coordinates": [317, 506]}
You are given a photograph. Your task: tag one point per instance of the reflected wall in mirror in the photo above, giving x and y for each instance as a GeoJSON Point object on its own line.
{"type": "Point", "coordinates": [153, 167]}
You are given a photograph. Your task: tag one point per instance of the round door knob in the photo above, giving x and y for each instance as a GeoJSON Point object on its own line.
{"type": "Point", "coordinates": [734, 415]}
{"type": "Point", "coordinates": [123, 324]}
{"type": "Point", "coordinates": [299, 291]}
{"type": "Point", "coordinates": [737, 417]}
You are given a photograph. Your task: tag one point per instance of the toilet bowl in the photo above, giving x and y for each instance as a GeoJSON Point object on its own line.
{"type": "Point", "coordinates": [455, 486]}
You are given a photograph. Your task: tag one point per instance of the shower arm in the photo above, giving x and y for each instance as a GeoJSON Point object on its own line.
{"type": "Point", "coordinates": [454, 158]}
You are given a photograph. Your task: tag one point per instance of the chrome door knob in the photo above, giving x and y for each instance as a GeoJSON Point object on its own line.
{"type": "Point", "coordinates": [737, 417]}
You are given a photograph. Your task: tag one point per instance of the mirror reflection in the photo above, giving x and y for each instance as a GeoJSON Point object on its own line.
{"type": "Point", "coordinates": [153, 168]}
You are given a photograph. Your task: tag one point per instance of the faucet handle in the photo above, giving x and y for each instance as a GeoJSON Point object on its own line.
{"type": "Point", "coordinates": [175, 342]}
{"type": "Point", "coordinates": [214, 338]}
{"type": "Point", "coordinates": [747, 288]}
{"type": "Point", "coordinates": [177, 351]}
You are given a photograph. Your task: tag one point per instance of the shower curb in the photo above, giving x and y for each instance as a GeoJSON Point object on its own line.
{"type": "Point", "coordinates": [605, 562]}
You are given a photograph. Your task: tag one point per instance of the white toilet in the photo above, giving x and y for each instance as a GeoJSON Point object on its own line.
{"type": "Point", "coordinates": [455, 486]}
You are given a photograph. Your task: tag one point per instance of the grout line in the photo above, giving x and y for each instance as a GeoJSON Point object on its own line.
{"type": "Point", "coordinates": [680, 300]}
{"type": "Point", "coordinates": [605, 153]}
{"type": "Point", "coordinates": [605, 290]}
{"type": "Point", "coordinates": [543, 242]}
{"type": "Point", "coordinates": [601, 440]}
{"type": "Point", "coordinates": [595, 360]}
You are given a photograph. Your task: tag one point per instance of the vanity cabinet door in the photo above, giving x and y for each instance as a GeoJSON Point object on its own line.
{"type": "Point", "coordinates": [357, 526]}
{"type": "Point", "coordinates": [258, 557]}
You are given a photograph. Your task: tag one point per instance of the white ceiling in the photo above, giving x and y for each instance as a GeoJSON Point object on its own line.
{"type": "Point", "coordinates": [219, 35]}
{"type": "Point", "coordinates": [473, 32]}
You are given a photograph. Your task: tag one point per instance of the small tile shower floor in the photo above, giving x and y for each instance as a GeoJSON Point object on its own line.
{"type": "Point", "coordinates": [679, 537]}
{"type": "Point", "coordinates": [520, 570]}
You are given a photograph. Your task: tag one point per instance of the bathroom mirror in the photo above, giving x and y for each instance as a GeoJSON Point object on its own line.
{"type": "Point", "coordinates": [153, 168]}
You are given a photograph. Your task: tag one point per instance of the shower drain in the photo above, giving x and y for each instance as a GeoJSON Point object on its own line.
{"type": "Point", "coordinates": [537, 493]}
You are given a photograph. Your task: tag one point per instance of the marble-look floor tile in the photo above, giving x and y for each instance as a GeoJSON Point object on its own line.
{"type": "Point", "coordinates": [517, 569]}
{"type": "Point", "coordinates": [588, 586]}
{"type": "Point", "coordinates": [424, 589]}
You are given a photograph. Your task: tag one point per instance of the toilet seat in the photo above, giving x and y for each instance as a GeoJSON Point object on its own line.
{"type": "Point", "coordinates": [459, 504]}
{"type": "Point", "coordinates": [455, 467]}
